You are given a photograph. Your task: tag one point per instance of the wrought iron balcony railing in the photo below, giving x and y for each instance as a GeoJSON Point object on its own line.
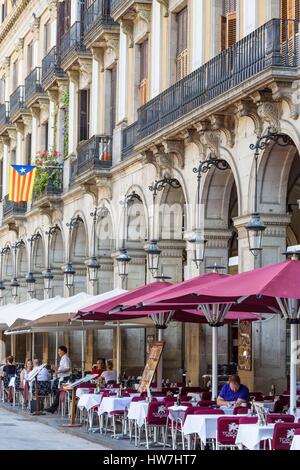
{"type": "Point", "coordinates": [273, 45]}
{"type": "Point", "coordinates": [33, 84]}
{"type": "Point", "coordinates": [53, 185]}
{"type": "Point", "coordinates": [4, 113]}
{"type": "Point", "coordinates": [51, 66]}
{"type": "Point", "coordinates": [11, 208]}
{"type": "Point", "coordinates": [129, 139]}
{"type": "Point", "coordinates": [93, 154]}
{"type": "Point", "coordinates": [17, 100]}
{"type": "Point", "coordinates": [96, 15]}
{"type": "Point", "coordinates": [72, 41]}
{"type": "Point", "coordinates": [114, 4]}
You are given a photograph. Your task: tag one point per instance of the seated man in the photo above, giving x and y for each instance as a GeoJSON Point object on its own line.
{"type": "Point", "coordinates": [233, 393]}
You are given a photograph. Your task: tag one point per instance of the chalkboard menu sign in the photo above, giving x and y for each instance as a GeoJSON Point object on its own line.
{"type": "Point", "coordinates": [151, 365]}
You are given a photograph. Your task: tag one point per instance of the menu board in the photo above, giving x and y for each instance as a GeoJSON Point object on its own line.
{"type": "Point", "coordinates": [35, 372]}
{"type": "Point", "coordinates": [151, 365]}
{"type": "Point", "coordinates": [83, 380]}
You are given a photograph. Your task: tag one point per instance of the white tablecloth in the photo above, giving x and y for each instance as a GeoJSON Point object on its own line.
{"type": "Point", "coordinates": [109, 404]}
{"type": "Point", "coordinates": [89, 400]}
{"type": "Point", "coordinates": [82, 391]}
{"type": "Point", "coordinates": [203, 425]}
{"type": "Point", "coordinates": [138, 411]}
{"type": "Point", "coordinates": [250, 435]}
{"type": "Point", "coordinates": [296, 443]}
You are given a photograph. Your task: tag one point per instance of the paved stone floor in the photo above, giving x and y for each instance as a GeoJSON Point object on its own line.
{"type": "Point", "coordinates": [19, 432]}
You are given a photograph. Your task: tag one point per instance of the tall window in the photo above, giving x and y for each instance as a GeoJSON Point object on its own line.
{"type": "Point", "coordinates": [29, 57]}
{"type": "Point", "coordinates": [290, 12]}
{"type": "Point", "coordinates": [143, 85]}
{"type": "Point", "coordinates": [47, 37]}
{"type": "Point", "coordinates": [182, 42]}
{"type": "Point", "coordinates": [228, 24]}
{"type": "Point", "coordinates": [44, 136]}
{"type": "Point", "coordinates": [84, 114]}
{"type": "Point", "coordinates": [28, 149]}
{"type": "Point", "coordinates": [4, 10]}
{"type": "Point", "coordinates": [63, 20]}
{"type": "Point", "coordinates": [15, 78]}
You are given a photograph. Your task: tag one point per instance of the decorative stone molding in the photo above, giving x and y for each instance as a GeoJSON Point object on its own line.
{"type": "Point", "coordinates": [268, 110]}
{"type": "Point", "coordinates": [53, 7]}
{"type": "Point", "coordinates": [35, 28]}
{"type": "Point", "coordinates": [165, 5]}
{"type": "Point", "coordinates": [127, 28]}
{"type": "Point", "coordinates": [12, 18]}
{"type": "Point", "coordinates": [5, 66]}
{"type": "Point", "coordinates": [85, 67]}
{"type": "Point", "coordinates": [191, 136]}
{"type": "Point", "coordinates": [63, 87]}
{"type": "Point", "coordinates": [248, 108]}
{"type": "Point", "coordinates": [27, 120]}
{"type": "Point", "coordinates": [73, 75]}
{"type": "Point", "coordinates": [163, 159]}
{"type": "Point", "coordinates": [226, 124]}
{"type": "Point", "coordinates": [176, 148]}
{"type": "Point", "coordinates": [289, 93]}
{"type": "Point", "coordinates": [19, 48]}
{"type": "Point", "coordinates": [104, 186]}
{"type": "Point", "coordinates": [149, 159]}
{"type": "Point", "coordinates": [12, 134]}
{"type": "Point", "coordinates": [112, 43]}
{"type": "Point", "coordinates": [211, 141]}
{"type": "Point", "coordinates": [143, 12]}
{"type": "Point", "coordinates": [98, 55]}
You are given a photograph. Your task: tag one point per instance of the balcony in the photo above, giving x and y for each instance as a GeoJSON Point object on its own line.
{"type": "Point", "coordinates": [48, 190]}
{"type": "Point", "coordinates": [72, 46]}
{"type": "Point", "coordinates": [4, 116]}
{"type": "Point", "coordinates": [253, 62]}
{"type": "Point", "coordinates": [13, 210]}
{"type": "Point", "coordinates": [33, 87]}
{"type": "Point", "coordinates": [97, 21]}
{"type": "Point", "coordinates": [129, 139]}
{"type": "Point", "coordinates": [17, 104]}
{"type": "Point", "coordinates": [93, 155]}
{"type": "Point", "coordinates": [119, 8]}
{"type": "Point", "coordinates": [51, 69]}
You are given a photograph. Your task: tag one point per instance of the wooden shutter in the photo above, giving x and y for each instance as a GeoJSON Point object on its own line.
{"type": "Point", "coordinates": [228, 30]}
{"type": "Point", "coordinates": [223, 32]}
{"type": "Point", "coordinates": [182, 43]}
{"type": "Point", "coordinates": [28, 149]}
{"type": "Point", "coordinates": [231, 29]}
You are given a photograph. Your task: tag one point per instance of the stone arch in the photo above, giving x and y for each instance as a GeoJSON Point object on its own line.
{"type": "Point", "coordinates": [38, 255]}
{"type": "Point", "coordinates": [57, 250]}
{"type": "Point", "coordinates": [137, 220]}
{"type": "Point", "coordinates": [105, 246]}
{"type": "Point", "coordinates": [79, 253]}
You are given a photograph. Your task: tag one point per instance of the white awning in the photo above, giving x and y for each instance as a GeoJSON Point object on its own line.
{"type": "Point", "coordinates": [50, 311]}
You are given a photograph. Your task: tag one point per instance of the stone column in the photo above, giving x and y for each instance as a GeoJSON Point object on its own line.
{"type": "Point", "coordinates": [20, 52]}
{"type": "Point", "coordinates": [5, 166]}
{"type": "Point", "coordinates": [35, 29]}
{"type": "Point", "coordinates": [45, 348]}
{"type": "Point", "coordinates": [269, 336]}
{"type": "Point", "coordinates": [53, 19]}
{"type": "Point", "coordinates": [155, 49]}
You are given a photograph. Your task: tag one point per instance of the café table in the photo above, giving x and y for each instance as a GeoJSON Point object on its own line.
{"type": "Point", "coordinates": [250, 435]}
{"type": "Point", "coordinates": [205, 426]}
{"type": "Point", "coordinates": [83, 391]}
{"type": "Point", "coordinates": [112, 404]}
{"type": "Point", "coordinates": [88, 402]}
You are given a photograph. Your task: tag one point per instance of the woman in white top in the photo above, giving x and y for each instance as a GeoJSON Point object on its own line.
{"type": "Point", "coordinates": [109, 375]}
{"type": "Point", "coordinates": [43, 380]}
{"type": "Point", "coordinates": [24, 377]}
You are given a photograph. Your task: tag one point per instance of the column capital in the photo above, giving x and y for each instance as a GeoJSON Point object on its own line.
{"type": "Point", "coordinates": [165, 5]}
{"type": "Point", "coordinates": [53, 7]}
{"type": "Point", "coordinates": [19, 47]}
{"type": "Point", "coordinates": [35, 28]}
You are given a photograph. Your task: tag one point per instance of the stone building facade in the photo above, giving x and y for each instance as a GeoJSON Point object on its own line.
{"type": "Point", "coordinates": [129, 92]}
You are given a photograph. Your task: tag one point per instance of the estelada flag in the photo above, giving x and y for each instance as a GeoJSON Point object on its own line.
{"type": "Point", "coordinates": [21, 180]}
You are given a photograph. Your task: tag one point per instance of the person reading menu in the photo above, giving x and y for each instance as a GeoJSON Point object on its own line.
{"type": "Point", "coordinates": [233, 393]}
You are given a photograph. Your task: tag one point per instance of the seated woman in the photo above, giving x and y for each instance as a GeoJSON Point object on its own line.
{"type": "Point", "coordinates": [233, 393]}
{"type": "Point", "coordinates": [100, 367]}
{"type": "Point", "coordinates": [109, 375]}
{"type": "Point", "coordinates": [24, 382]}
{"type": "Point", "coordinates": [43, 380]}
{"type": "Point", "coordinates": [9, 371]}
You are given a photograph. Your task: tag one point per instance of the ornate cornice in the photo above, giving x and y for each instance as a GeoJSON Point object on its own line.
{"type": "Point", "coordinates": [12, 18]}
{"type": "Point", "coordinates": [165, 5]}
